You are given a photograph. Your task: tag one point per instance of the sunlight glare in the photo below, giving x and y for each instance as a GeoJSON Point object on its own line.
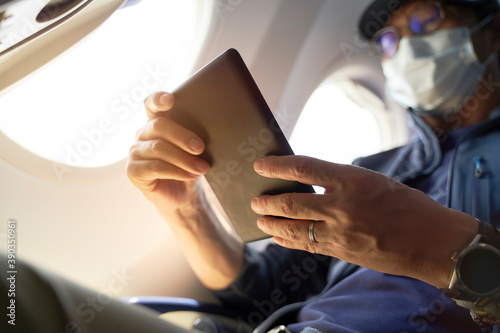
{"type": "Point", "coordinates": [85, 108]}
{"type": "Point", "coordinates": [334, 128]}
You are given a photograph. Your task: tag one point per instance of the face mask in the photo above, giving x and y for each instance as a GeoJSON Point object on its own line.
{"type": "Point", "coordinates": [435, 74]}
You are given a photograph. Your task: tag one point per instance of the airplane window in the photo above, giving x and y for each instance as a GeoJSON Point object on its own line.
{"type": "Point", "coordinates": [333, 127]}
{"type": "Point", "coordinates": [84, 108]}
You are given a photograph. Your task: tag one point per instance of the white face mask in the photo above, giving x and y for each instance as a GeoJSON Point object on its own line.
{"type": "Point", "coordinates": [435, 74]}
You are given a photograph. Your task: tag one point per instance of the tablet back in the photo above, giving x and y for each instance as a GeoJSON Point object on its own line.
{"type": "Point", "coordinates": [223, 105]}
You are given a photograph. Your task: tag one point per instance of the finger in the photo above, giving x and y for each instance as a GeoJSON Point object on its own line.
{"type": "Point", "coordinates": [298, 206]}
{"type": "Point", "coordinates": [306, 170]}
{"type": "Point", "coordinates": [169, 153]}
{"type": "Point", "coordinates": [157, 103]}
{"type": "Point", "coordinates": [309, 247]}
{"type": "Point", "coordinates": [294, 231]}
{"type": "Point", "coordinates": [324, 248]}
{"type": "Point", "coordinates": [166, 129]}
{"type": "Point", "coordinates": [148, 171]}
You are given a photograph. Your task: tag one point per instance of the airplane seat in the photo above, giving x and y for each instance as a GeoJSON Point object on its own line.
{"type": "Point", "coordinates": [212, 318]}
{"type": "Point", "coordinates": [205, 317]}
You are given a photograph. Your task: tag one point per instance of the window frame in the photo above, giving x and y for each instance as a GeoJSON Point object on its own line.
{"type": "Point", "coordinates": [21, 158]}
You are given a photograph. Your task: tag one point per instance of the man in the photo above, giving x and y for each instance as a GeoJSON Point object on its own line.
{"type": "Point", "coordinates": [401, 237]}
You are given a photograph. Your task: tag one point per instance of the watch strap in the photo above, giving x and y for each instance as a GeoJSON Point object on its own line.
{"type": "Point", "coordinates": [489, 234]}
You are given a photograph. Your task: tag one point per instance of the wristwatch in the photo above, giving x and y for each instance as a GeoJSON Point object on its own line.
{"type": "Point", "coordinates": [475, 281]}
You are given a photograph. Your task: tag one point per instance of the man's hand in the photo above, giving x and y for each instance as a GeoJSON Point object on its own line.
{"type": "Point", "coordinates": [363, 217]}
{"type": "Point", "coordinates": [163, 163]}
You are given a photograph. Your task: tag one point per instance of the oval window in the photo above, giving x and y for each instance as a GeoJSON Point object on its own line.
{"type": "Point", "coordinates": [334, 128]}
{"type": "Point", "coordinates": [84, 108]}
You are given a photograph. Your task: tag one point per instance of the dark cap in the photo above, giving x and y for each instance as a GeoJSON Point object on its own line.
{"type": "Point", "coordinates": [378, 12]}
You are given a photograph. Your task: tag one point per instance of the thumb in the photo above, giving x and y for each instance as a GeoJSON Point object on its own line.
{"type": "Point", "coordinates": [158, 102]}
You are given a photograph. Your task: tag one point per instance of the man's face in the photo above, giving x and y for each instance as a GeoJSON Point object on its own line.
{"type": "Point", "coordinates": [454, 16]}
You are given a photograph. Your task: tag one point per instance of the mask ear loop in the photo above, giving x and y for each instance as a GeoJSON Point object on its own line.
{"type": "Point", "coordinates": [481, 24]}
{"type": "Point", "coordinates": [490, 59]}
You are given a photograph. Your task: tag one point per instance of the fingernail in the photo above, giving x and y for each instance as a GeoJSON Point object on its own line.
{"type": "Point", "coordinates": [260, 223]}
{"type": "Point", "coordinates": [166, 99]}
{"type": "Point", "coordinates": [255, 205]}
{"type": "Point", "coordinates": [196, 145]}
{"type": "Point", "coordinates": [259, 166]}
{"type": "Point", "coordinates": [202, 166]}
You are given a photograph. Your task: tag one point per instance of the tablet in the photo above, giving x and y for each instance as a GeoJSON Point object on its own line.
{"type": "Point", "coordinates": [223, 105]}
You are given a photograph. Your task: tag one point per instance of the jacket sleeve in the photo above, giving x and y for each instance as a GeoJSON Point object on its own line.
{"type": "Point", "coordinates": [275, 277]}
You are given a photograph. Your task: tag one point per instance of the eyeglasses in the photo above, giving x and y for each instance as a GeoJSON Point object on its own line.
{"type": "Point", "coordinates": [422, 20]}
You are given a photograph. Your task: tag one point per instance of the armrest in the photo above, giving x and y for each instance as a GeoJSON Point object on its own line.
{"type": "Point", "coordinates": [169, 304]}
